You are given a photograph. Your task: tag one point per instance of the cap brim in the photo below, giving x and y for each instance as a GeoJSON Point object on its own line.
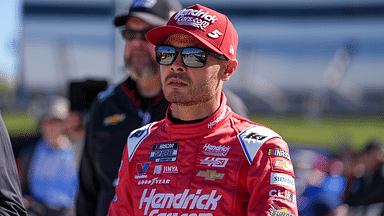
{"type": "Point", "coordinates": [147, 17]}
{"type": "Point", "coordinates": [157, 36]}
{"type": "Point", "coordinates": [120, 20]}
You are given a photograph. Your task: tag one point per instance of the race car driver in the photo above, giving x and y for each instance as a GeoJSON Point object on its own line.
{"type": "Point", "coordinates": [203, 159]}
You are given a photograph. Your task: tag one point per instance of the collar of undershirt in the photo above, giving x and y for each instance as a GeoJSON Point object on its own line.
{"type": "Point", "coordinates": [130, 88]}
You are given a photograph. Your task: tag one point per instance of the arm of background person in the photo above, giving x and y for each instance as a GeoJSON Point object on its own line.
{"type": "Point", "coordinates": [236, 103]}
{"type": "Point", "coordinates": [89, 186]}
{"type": "Point", "coordinates": [10, 190]}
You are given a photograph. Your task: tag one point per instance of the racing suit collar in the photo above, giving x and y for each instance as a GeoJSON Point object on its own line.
{"type": "Point", "coordinates": [189, 131]}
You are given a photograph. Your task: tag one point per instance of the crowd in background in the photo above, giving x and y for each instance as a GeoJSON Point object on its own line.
{"type": "Point", "coordinates": [347, 182]}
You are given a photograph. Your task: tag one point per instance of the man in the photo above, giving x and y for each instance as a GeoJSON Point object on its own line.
{"type": "Point", "coordinates": [365, 195]}
{"type": "Point", "coordinates": [203, 159]}
{"type": "Point", "coordinates": [49, 177]}
{"type": "Point", "coordinates": [130, 105]}
{"type": "Point", "coordinates": [10, 191]}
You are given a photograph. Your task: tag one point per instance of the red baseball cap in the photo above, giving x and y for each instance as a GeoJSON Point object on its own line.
{"type": "Point", "coordinates": [211, 28]}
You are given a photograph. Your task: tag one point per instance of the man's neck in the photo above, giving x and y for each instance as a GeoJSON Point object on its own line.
{"type": "Point", "coordinates": [194, 112]}
{"type": "Point", "coordinates": [149, 87]}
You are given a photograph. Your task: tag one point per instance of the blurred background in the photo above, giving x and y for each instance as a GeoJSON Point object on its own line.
{"type": "Point", "coordinates": [311, 70]}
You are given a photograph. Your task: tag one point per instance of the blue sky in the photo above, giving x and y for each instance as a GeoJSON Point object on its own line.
{"type": "Point", "coordinates": [10, 27]}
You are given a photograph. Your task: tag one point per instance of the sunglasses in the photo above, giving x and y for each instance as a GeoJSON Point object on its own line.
{"type": "Point", "coordinates": [130, 34]}
{"type": "Point", "coordinates": [191, 56]}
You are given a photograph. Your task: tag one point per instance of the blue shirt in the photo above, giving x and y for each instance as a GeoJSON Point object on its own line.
{"type": "Point", "coordinates": [53, 176]}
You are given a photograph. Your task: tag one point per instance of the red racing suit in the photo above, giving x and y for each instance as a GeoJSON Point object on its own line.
{"type": "Point", "coordinates": [223, 165]}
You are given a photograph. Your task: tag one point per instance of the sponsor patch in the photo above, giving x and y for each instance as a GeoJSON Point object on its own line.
{"type": "Point", "coordinates": [164, 152]}
{"type": "Point", "coordinates": [281, 164]}
{"type": "Point", "coordinates": [159, 169]}
{"type": "Point", "coordinates": [141, 170]}
{"type": "Point", "coordinates": [195, 18]}
{"type": "Point", "coordinates": [214, 162]}
{"type": "Point", "coordinates": [218, 176]}
{"type": "Point", "coordinates": [153, 181]}
{"type": "Point", "coordinates": [278, 153]}
{"type": "Point", "coordinates": [152, 202]}
{"type": "Point", "coordinates": [210, 175]}
{"type": "Point", "coordinates": [211, 124]}
{"type": "Point", "coordinates": [283, 180]}
{"type": "Point", "coordinates": [277, 211]}
{"type": "Point", "coordinates": [114, 119]}
{"type": "Point", "coordinates": [283, 194]}
{"type": "Point", "coordinates": [219, 151]}
{"type": "Point", "coordinates": [253, 138]}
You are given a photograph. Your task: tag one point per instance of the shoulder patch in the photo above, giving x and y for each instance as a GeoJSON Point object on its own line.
{"type": "Point", "coordinates": [101, 96]}
{"type": "Point", "coordinates": [253, 138]}
{"type": "Point", "coordinates": [136, 137]}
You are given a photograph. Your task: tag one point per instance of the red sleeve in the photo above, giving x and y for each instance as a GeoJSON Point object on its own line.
{"type": "Point", "coordinates": [122, 202]}
{"type": "Point", "coordinates": [271, 182]}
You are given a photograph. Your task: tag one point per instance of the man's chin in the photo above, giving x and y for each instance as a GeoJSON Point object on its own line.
{"type": "Point", "coordinates": [146, 72]}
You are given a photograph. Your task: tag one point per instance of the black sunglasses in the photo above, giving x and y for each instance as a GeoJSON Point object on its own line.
{"type": "Point", "coordinates": [191, 56]}
{"type": "Point", "coordinates": [130, 34]}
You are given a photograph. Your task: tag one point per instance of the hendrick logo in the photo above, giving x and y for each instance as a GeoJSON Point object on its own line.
{"type": "Point", "coordinates": [215, 150]}
{"type": "Point", "coordinates": [211, 124]}
{"type": "Point", "coordinates": [195, 18]}
{"type": "Point", "coordinates": [185, 200]}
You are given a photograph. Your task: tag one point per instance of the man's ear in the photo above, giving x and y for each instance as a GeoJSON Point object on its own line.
{"type": "Point", "coordinates": [230, 67]}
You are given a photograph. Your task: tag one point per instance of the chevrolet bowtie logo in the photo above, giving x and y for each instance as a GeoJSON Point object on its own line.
{"type": "Point", "coordinates": [210, 175]}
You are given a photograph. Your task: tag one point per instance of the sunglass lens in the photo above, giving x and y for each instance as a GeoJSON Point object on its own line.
{"type": "Point", "coordinates": [193, 57]}
{"type": "Point", "coordinates": [165, 55]}
{"type": "Point", "coordinates": [128, 35]}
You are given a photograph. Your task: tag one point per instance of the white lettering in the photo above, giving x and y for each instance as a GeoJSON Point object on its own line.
{"type": "Point", "coordinates": [178, 201]}
{"type": "Point", "coordinates": [282, 179]}
{"type": "Point", "coordinates": [215, 150]}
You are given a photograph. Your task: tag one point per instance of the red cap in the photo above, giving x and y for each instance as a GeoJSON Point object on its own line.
{"type": "Point", "coordinates": [211, 28]}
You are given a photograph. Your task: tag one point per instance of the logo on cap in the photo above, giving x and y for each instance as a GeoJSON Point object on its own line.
{"type": "Point", "coordinates": [215, 34]}
{"type": "Point", "coordinates": [195, 18]}
{"type": "Point", "coordinates": [144, 3]}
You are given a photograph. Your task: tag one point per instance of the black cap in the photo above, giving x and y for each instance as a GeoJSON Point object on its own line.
{"type": "Point", "coordinates": [372, 145]}
{"type": "Point", "coordinates": [155, 12]}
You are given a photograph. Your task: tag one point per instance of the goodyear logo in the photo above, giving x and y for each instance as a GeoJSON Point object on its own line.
{"type": "Point", "coordinates": [210, 175]}
{"type": "Point", "coordinates": [114, 119]}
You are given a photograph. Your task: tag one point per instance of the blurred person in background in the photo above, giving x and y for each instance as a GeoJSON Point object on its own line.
{"type": "Point", "coordinates": [49, 177]}
{"type": "Point", "coordinates": [366, 193]}
{"type": "Point", "coordinates": [74, 128]}
{"type": "Point", "coordinates": [312, 202]}
{"type": "Point", "coordinates": [11, 202]}
{"type": "Point", "coordinates": [120, 109]}
{"type": "Point", "coordinates": [325, 188]}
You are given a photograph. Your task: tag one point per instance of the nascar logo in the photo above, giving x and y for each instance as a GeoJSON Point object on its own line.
{"type": "Point", "coordinates": [278, 153]}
